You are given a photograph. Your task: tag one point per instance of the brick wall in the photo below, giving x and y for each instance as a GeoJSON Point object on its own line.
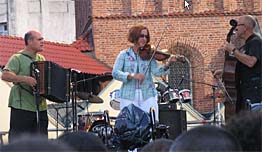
{"type": "Point", "coordinates": [134, 7]}
{"type": "Point", "coordinates": [200, 34]}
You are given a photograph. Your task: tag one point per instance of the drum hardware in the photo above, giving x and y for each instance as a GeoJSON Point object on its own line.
{"type": "Point", "coordinates": [153, 122]}
{"type": "Point", "coordinates": [161, 131]}
{"type": "Point", "coordinates": [99, 124]}
{"type": "Point", "coordinates": [214, 87]}
{"type": "Point", "coordinates": [171, 95]}
{"type": "Point", "coordinates": [184, 97]}
{"type": "Point", "coordinates": [90, 97]}
{"type": "Point", "coordinates": [85, 121]}
{"type": "Point", "coordinates": [82, 95]}
{"type": "Point", "coordinates": [115, 99]}
{"type": "Point", "coordinates": [58, 115]}
{"type": "Point", "coordinates": [106, 132]}
{"type": "Point", "coordinates": [157, 130]}
{"type": "Point", "coordinates": [85, 95]}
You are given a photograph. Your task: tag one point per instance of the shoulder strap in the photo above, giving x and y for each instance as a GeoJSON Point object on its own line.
{"type": "Point", "coordinates": [19, 83]}
{"type": "Point", "coordinates": [26, 55]}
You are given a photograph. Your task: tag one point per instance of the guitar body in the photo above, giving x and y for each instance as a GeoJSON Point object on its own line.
{"type": "Point", "coordinates": [229, 80]}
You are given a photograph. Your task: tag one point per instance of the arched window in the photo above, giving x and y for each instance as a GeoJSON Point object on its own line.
{"type": "Point", "coordinates": [179, 75]}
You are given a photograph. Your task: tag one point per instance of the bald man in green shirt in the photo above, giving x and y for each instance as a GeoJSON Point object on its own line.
{"type": "Point", "coordinates": [22, 100]}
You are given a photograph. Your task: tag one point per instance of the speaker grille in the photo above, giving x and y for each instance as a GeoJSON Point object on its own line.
{"type": "Point", "coordinates": [175, 119]}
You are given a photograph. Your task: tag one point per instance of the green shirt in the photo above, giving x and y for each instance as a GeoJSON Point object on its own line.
{"type": "Point", "coordinates": [20, 98]}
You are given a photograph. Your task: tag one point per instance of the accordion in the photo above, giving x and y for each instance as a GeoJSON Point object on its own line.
{"type": "Point", "coordinates": [54, 80]}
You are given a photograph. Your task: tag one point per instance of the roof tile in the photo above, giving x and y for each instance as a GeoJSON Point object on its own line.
{"type": "Point", "coordinates": [65, 55]}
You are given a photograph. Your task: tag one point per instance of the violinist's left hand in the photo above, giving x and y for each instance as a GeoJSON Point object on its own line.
{"type": "Point", "coordinates": [172, 59]}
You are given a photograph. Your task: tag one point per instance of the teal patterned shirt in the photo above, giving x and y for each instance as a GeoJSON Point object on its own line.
{"type": "Point", "coordinates": [128, 62]}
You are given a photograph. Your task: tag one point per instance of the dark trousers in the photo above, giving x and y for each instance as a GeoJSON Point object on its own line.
{"type": "Point", "coordinates": [250, 93]}
{"type": "Point", "coordinates": [25, 122]}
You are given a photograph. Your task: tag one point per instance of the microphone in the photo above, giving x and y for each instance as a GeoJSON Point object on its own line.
{"type": "Point", "coordinates": [233, 22]}
{"type": "Point", "coordinates": [181, 81]}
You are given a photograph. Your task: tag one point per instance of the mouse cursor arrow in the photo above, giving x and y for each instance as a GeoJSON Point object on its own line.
{"type": "Point", "coordinates": [186, 4]}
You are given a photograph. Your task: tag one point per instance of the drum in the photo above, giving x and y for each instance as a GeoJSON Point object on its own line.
{"type": "Point", "coordinates": [159, 97]}
{"type": "Point", "coordinates": [185, 95]}
{"type": "Point", "coordinates": [115, 99]}
{"type": "Point", "coordinates": [171, 95]}
{"type": "Point", "coordinates": [101, 129]}
{"type": "Point", "coordinates": [85, 121]}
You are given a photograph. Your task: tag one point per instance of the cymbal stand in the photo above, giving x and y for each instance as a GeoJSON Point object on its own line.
{"type": "Point", "coordinates": [73, 98]}
{"type": "Point", "coordinates": [57, 114]}
{"type": "Point", "coordinates": [222, 87]}
{"type": "Point", "coordinates": [153, 123]}
{"type": "Point", "coordinates": [67, 98]}
{"type": "Point", "coordinates": [214, 87]}
{"type": "Point", "coordinates": [181, 100]}
{"type": "Point", "coordinates": [107, 124]}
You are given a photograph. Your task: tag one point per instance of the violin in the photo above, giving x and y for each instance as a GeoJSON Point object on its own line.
{"type": "Point", "coordinates": [146, 53]}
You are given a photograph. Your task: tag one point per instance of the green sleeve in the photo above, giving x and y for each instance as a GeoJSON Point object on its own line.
{"type": "Point", "coordinates": [13, 64]}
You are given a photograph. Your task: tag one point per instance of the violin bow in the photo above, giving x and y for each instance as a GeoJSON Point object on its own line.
{"type": "Point", "coordinates": [161, 37]}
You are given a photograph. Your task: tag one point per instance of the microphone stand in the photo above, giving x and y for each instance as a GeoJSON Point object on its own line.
{"type": "Point", "coordinates": [89, 79]}
{"type": "Point", "coordinates": [222, 87]}
{"type": "Point", "coordinates": [213, 96]}
{"type": "Point", "coordinates": [107, 124]}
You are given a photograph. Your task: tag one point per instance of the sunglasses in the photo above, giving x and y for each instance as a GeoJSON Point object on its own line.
{"type": "Point", "coordinates": [142, 36]}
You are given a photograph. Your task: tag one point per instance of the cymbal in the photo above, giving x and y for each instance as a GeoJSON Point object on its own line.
{"type": "Point", "coordinates": [95, 99]}
{"type": "Point", "coordinates": [83, 95]}
{"type": "Point", "coordinates": [90, 97]}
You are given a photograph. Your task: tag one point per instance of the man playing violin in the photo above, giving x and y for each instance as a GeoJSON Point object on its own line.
{"type": "Point", "coordinates": [248, 67]}
{"type": "Point", "coordinates": [136, 73]}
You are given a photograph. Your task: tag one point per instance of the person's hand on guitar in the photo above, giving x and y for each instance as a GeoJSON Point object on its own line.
{"type": "Point", "coordinates": [229, 47]}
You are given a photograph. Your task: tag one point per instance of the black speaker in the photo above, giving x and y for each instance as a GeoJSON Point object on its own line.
{"type": "Point", "coordinates": [175, 119]}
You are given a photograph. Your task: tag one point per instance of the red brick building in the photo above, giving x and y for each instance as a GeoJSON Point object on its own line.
{"type": "Point", "coordinates": [196, 33]}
